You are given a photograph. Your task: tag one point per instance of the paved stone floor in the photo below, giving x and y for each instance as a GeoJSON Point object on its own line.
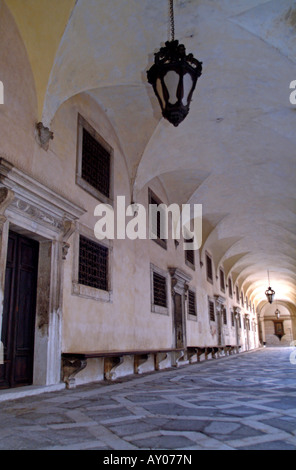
{"type": "Point", "coordinates": [247, 401]}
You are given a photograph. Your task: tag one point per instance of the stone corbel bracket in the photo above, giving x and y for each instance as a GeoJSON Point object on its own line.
{"type": "Point", "coordinates": [69, 229]}
{"type": "Point", "coordinates": [181, 359]}
{"type": "Point", "coordinates": [43, 135]}
{"type": "Point", "coordinates": [163, 360]}
{"type": "Point", "coordinates": [115, 367]}
{"type": "Point", "coordinates": [71, 367]}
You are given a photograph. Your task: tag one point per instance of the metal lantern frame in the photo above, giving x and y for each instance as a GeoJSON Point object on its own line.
{"type": "Point", "coordinates": [172, 59]}
{"type": "Point", "coordinates": [270, 293]}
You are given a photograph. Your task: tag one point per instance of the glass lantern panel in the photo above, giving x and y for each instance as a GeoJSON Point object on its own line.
{"type": "Point", "coordinates": [171, 80]}
{"type": "Point", "coordinates": [187, 85]}
{"type": "Point", "coordinates": [160, 92]}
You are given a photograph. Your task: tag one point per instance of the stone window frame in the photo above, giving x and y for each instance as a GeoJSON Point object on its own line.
{"type": "Point", "coordinates": [82, 290]}
{"type": "Point", "coordinates": [80, 181]}
{"type": "Point", "coordinates": [157, 308]}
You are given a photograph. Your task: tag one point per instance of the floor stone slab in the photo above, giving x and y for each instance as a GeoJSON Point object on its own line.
{"type": "Point", "coordinates": [245, 402]}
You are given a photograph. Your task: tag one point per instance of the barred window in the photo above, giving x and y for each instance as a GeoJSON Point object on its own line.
{"type": "Point", "coordinates": [191, 303]}
{"type": "Point", "coordinates": [209, 268]}
{"type": "Point", "coordinates": [159, 290]}
{"type": "Point", "coordinates": [230, 287]}
{"type": "Point", "coordinates": [95, 164]}
{"type": "Point", "coordinates": [222, 280]}
{"type": "Point", "coordinates": [189, 254]}
{"type": "Point", "coordinates": [157, 223]}
{"type": "Point", "coordinates": [237, 294]}
{"type": "Point", "coordinates": [224, 316]}
{"type": "Point", "coordinates": [211, 310]}
{"type": "Point", "coordinates": [93, 264]}
{"type": "Point", "coordinates": [242, 299]}
{"type": "Point", "coordinates": [232, 318]}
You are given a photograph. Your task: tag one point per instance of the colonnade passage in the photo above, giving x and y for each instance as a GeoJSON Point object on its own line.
{"type": "Point", "coordinates": [246, 401]}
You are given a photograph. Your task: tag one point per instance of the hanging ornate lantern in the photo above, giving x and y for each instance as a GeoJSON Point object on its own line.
{"type": "Point", "coordinates": [269, 292]}
{"type": "Point", "coordinates": [173, 77]}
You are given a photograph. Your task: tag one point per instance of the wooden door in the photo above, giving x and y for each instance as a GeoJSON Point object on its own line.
{"type": "Point", "coordinates": [18, 323]}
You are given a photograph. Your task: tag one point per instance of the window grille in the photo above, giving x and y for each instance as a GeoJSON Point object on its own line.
{"type": "Point", "coordinates": [95, 164]}
{"type": "Point", "coordinates": [242, 299]}
{"type": "Point", "coordinates": [232, 318]}
{"type": "Point", "coordinates": [159, 290]}
{"type": "Point", "coordinates": [189, 254]}
{"type": "Point", "coordinates": [93, 264]}
{"type": "Point", "coordinates": [191, 303]}
{"type": "Point", "coordinates": [209, 268]}
{"type": "Point", "coordinates": [222, 281]}
{"type": "Point", "coordinates": [230, 287]}
{"type": "Point", "coordinates": [211, 310]}
{"type": "Point", "coordinates": [224, 316]}
{"type": "Point", "coordinates": [237, 294]}
{"type": "Point", "coordinates": [157, 223]}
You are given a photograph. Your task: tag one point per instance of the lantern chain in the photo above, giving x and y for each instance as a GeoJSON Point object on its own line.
{"type": "Point", "coordinates": [172, 20]}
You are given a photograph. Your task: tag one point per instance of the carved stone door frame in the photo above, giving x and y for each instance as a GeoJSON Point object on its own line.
{"type": "Point", "coordinates": [237, 312]}
{"type": "Point", "coordinates": [179, 286]}
{"type": "Point", "coordinates": [30, 208]}
{"type": "Point", "coordinates": [220, 303]}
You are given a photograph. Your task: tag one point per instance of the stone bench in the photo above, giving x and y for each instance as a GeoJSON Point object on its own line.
{"type": "Point", "coordinates": [120, 363]}
{"type": "Point", "coordinates": [210, 352]}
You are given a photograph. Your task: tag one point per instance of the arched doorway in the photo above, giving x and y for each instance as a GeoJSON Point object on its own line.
{"type": "Point", "coordinates": [277, 331]}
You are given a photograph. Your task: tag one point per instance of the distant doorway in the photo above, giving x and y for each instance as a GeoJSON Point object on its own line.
{"type": "Point", "coordinates": [19, 310]}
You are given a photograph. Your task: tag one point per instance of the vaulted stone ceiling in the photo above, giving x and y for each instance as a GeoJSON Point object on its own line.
{"type": "Point", "coordinates": [235, 153]}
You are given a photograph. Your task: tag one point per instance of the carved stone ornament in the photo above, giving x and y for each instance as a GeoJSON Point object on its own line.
{"type": "Point", "coordinates": [220, 301]}
{"type": "Point", "coordinates": [237, 311]}
{"type": "Point", "coordinates": [43, 135]}
{"type": "Point", "coordinates": [35, 206]}
{"type": "Point", "coordinates": [179, 280]}
{"type": "Point", "coordinates": [37, 214]}
{"type": "Point", "coordinates": [6, 197]}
